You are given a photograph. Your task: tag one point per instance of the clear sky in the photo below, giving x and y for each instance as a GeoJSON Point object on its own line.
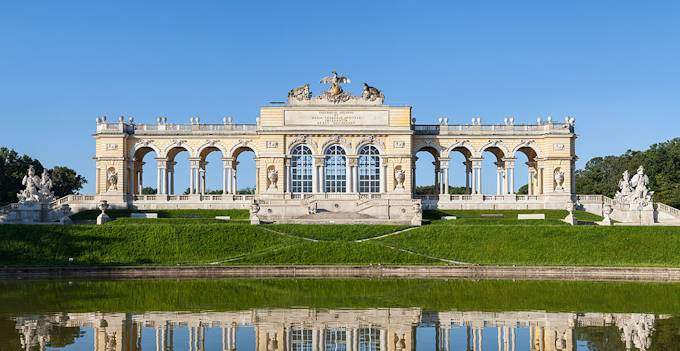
{"type": "Point", "coordinates": [613, 65]}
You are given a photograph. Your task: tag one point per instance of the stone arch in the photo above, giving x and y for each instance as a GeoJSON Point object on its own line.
{"type": "Point", "coordinates": [328, 145]}
{"type": "Point", "coordinates": [336, 140]}
{"type": "Point", "coordinates": [528, 145]}
{"type": "Point", "coordinates": [181, 144]}
{"type": "Point", "coordinates": [240, 147]}
{"type": "Point", "coordinates": [381, 149]}
{"type": "Point", "coordinates": [432, 148]}
{"type": "Point", "coordinates": [495, 146]}
{"type": "Point", "coordinates": [210, 146]}
{"type": "Point", "coordinates": [134, 152]}
{"type": "Point", "coordinates": [463, 147]}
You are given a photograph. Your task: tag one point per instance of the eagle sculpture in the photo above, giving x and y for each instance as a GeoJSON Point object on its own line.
{"type": "Point", "coordinates": [335, 80]}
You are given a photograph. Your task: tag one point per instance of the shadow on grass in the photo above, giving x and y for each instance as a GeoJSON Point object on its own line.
{"type": "Point", "coordinates": [48, 245]}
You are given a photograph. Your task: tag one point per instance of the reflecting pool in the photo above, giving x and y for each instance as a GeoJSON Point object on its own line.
{"type": "Point", "coordinates": [342, 315]}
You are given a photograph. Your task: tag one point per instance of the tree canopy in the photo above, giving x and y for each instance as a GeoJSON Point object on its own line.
{"type": "Point", "coordinates": [661, 162]}
{"type": "Point", "coordinates": [13, 168]}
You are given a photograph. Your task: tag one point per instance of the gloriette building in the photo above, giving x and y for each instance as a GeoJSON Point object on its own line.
{"type": "Point", "coordinates": [332, 155]}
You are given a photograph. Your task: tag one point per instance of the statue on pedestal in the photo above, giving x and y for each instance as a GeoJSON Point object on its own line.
{"type": "Point", "coordinates": [103, 217]}
{"type": "Point", "coordinates": [417, 219]}
{"type": "Point", "coordinates": [273, 176]}
{"type": "Point", "coordinates": [640, 183]}
{"type": "Point", "coordinates": [399, 176]}
{"type": "Point", "coordinates": [254, 210]}
{"type": "Point", "coordinates": [112, 180]}
{"type": "Point", "coordinates": [32, 182]}
{"type": "Point", "coordinates": [634, 191]}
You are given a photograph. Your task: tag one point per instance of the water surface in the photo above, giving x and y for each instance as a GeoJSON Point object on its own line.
{"type": "Point", "coordinates": [343, 315]}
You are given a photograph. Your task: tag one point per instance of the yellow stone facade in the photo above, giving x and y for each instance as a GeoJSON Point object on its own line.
{"type": "Point", "coordinates": [121, 146]}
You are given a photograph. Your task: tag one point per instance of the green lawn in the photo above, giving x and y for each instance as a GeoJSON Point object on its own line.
{"type": "Point", "coordinates": [339, 232]}
{"type": "Point", "coordinates": [545, 245]}
{"type": "Point", "coordinates": [132, 244]}
{"type": "Point", "coordinates": [195, 237]}
{"type": "Point", "coordinates": [509, 217]}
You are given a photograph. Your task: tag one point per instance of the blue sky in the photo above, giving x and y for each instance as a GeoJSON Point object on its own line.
{"type": "Point", "coordinates": [613, 65]}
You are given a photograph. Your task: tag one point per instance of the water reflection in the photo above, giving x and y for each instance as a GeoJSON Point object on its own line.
{"type": "Point", "coordinates": [305, 329]}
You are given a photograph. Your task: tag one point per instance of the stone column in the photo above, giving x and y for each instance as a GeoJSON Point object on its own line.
{"type": "Point", "coordinates": [498, 180]}
{"type": "Point", "coordinates": [287, 174]}
{"type": "Point", "coordinates": [383, 176]}
{"type": "Point", "coordinates": [351, 164]}
{"type": "Point", "coordinates": [234, 184]}
{"type": "Point", "coordinates": [468, 190]}
{"type": "Point", "coordinates": [355, 178]}
{"type": "Point", "coordinates": [436, 189]}
{"type": "Point", "coordinates": [477, 176]}
{"type": "Point", "coordinates": [473, 187]}
{"type": "Point", "coordinates": [161, 176]}
{"type": "Point", "coordinates": [131, 178]}
{"type": "Point", "coordinates": [322, 176]}
{"type": "Point", "coordinates": [225, 175]}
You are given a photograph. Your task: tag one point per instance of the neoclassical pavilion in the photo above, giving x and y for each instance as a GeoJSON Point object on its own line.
{"type": "Point", "coordinates": [334, 153]}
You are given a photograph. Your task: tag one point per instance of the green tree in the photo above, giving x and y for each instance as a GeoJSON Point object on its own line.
{"type": "Point", "coordinates": [13, 168]}
{"type": "Point", "coordinates": [523, 190]}
{"type": "Point", "coordinates": [66, 181]}
{"type": "Point", "coordinates": [661, 162]}
{"type": "Point", "coordinates": [147, 190]}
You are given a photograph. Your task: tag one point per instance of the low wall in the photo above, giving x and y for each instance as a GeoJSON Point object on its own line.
{"type": "Point", "coordinates": [378, 271]}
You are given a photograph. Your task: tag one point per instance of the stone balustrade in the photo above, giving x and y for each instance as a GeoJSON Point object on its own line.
{"type": "Point", "coordinates": [483, 129]}
{"type": "Point", "coordinates": [169, 129]}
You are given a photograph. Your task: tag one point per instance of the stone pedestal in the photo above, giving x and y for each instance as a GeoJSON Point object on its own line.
{"type": "Point", "coordinates": [26, 213]}
{"type": "Point", "coordinates": [103, 218]}
{"type": "Point", "coordinates": [570, 219]}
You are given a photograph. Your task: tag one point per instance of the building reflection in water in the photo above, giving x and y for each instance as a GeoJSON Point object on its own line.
{"type": "Point", "coordinates": [329, 330]}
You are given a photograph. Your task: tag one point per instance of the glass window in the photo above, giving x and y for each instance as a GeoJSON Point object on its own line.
{"type": "Point", "coordinates": [301, 167]}
{"type": "Point", "coordinates": [300, 339]}
{"type": "Point", "coordinates": [369, 169]}
{"type": "Point", "coordinates": [336, 339]}
{"type": "Point", "coordinates": [336, 170]}
{"type": "Point", "coordinates": [369, 339]}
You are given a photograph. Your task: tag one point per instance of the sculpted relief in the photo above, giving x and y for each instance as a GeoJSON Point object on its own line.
{"type": "Point", "coordinates": [335, 95]}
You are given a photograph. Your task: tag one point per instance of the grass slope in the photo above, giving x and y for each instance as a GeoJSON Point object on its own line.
{"type": "Point", "coordinates": [196, 238]}
{"type": "Point", "coordinates": [339, 232]}
{"type": "Point", "coordinates": [546, 245]}
{"type": "Point", "coordinates": [132, 244]}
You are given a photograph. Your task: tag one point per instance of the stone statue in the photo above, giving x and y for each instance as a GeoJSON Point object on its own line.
{"type": "Point", "coordinates": [46, 194]}
{"type": "Point", "coordinates": [335, 80]}
{"type": "Point", "coordinates": [103, 217]}
{"type": "Point", "coordinates": [399, 176]}
{"type": "Point", "coordinates": [273, 176]}
{"type": "Point", "coordinates": [112, 180]}
{"type": "Point", "coordinates": [335, 93]}
{"type": "Point", "coordinates": [417, 218]}
{"type": "Point", "coordinates": [32, 184]}
{"type": "Point", "coordinates": [570, 214]}
{"type": "Point", "coordinates": [606, 213]}
{"type": "Point", "coordinates": [254, 210]}
{"type": "Point", "coordinates": [300, 93]}
{"type": "Point", "coordinates": [625, 189]}
{"type": "Point", "coordinates": [559, 180]}
{"type": "Point", "coordinates": [640, 183]}
{"type": "Point", "coordinates": [370, 93]}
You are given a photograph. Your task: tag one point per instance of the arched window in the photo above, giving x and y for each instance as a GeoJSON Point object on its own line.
{"type": "Point", "coordinates": [336, 170]}
{"type": "Point", "coordinates": [369, 169]}
{"type": "Point", "coordinates": [301, 170]}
